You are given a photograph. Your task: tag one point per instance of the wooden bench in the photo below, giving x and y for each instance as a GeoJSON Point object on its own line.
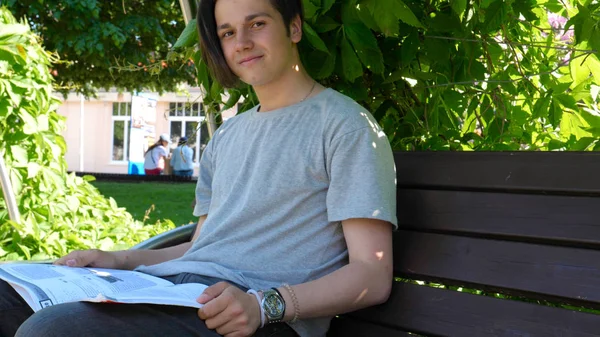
{"type": "Point", "coordinates": [525, 224]}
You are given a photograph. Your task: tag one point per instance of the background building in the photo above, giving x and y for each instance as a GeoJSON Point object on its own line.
{"type": "Point", "coordinates": [97, 130]}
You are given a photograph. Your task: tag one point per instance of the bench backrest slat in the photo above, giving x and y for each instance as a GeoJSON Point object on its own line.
{"type": "Point", "coordinates": [518, 268]}
{"type": "Point", "coordinates": [571, 172]}
{"type": "Point", "coordinates": [440, 312]}
{"type": "Point", "coordinates": [529, 217]}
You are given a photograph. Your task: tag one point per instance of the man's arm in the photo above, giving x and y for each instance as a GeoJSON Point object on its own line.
{"type": "Point", "coordinates": [127, 259]}
{"type": "Point", "coordinates": [365, 281]}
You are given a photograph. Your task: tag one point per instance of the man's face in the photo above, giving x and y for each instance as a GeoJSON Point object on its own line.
{"type": "Point", "coordinates": [254, 40]}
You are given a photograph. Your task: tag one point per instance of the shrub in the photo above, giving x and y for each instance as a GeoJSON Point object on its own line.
{"type": "Point", "coordinates": [59, 211]}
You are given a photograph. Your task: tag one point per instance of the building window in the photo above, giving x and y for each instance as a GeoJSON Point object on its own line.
{"type": "Point", "coordinates": [188, 119]}
{"type": "Point", "coordinates": [121, 114]}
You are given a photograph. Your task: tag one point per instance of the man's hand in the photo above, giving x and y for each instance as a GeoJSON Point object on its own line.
{"type": "Point", "coordinates": [229, 310]}
{"type": "Point", "coordinates": [90, 258]}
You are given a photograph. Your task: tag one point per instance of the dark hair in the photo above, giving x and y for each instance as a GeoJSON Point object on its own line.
{"type": "Point", "coordinates": [155, 145]}
{"type": "Point", "coordinates": [210, 44]}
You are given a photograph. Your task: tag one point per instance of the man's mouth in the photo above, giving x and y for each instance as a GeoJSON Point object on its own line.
{"type": "Point", "coordinates": [249, 59]}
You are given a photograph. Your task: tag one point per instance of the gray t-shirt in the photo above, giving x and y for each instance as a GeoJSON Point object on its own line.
{"type": "Point", "coordinates": [276, 186]}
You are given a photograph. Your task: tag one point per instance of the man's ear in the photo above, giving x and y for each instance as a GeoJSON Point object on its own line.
{"type": "Point", "coordinates": [296, 29]}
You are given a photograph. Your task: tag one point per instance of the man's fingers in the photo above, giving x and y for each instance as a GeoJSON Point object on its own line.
{"type": "Point", "coordinates": [216, 303]}
{"type": "Point", "coordinates": [76, 259]}
{"type": "Point", "coordinates": [212, 308]}
{"type": "Point", "coordinates": [212, 292]}
{"type": "Point", "coordinates": [233, 315]}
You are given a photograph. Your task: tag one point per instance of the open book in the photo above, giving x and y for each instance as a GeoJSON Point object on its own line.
{"type": "Point", "coordinates": [44, 285]}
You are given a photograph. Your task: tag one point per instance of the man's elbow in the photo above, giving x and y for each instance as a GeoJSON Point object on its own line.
{"type": "Point", "coordinates": [381, 282]}
{"type": "Point", "coordinates": [384, 290]}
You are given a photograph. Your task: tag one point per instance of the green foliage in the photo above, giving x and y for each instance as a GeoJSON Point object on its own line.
{"type": "Point", "coordinates": [103, 43]}
{"type": "Point", "coordinates": [60, 212]}
{"type": "Point", "coordinates": [457, 74]}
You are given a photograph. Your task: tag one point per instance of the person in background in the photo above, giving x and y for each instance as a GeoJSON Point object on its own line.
{"type": "Point", "coordinates": [154, 158]}
{"type": "Point", "coordinates": [182, 160]}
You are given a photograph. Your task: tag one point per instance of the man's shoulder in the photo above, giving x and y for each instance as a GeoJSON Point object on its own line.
{"type": "Point", "coordinates": [343, 111]}
{"type": "Point", "coordinates": [235, 120]}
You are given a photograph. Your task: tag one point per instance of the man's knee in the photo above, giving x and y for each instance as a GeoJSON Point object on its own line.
{"type": "Point", "coordinates": [58, 320]}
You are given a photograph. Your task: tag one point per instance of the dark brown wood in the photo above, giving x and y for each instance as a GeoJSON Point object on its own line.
{"type": "Point", "coordinates": [346, 327]}
{"type": "Point", "coordinates": [574, 220]}
{"type": "Point", "coordinates": [540, 171]}
{"type": "Point", "coordinates": [518, 268]}
{"type": "Point", "coordinates": [440, 312]}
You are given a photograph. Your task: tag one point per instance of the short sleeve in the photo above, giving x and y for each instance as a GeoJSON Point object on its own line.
{"type": "Point", "coordinates": [362, 176]}
{"type": "Point", "coordinates": [165, 151]}
{"type": "Point", "coordinates": [204, 184]}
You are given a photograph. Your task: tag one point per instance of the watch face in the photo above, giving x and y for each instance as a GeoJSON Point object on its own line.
{"type": "Point", "coordinates": [273, 305]}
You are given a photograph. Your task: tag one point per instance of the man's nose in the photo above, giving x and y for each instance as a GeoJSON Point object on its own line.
{"type": "Point", "coordinates": [243, 40]}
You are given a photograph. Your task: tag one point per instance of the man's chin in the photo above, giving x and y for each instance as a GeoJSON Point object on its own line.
{"type": "Point", "coordinates": [254, 81]}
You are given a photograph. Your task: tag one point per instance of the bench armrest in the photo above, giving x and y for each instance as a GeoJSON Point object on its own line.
{"type": "Point", "coordinates": [168, 239]}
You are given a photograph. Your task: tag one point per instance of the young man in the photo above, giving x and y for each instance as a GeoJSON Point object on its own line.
{"type": "Point", "coordinates": [296, 201]}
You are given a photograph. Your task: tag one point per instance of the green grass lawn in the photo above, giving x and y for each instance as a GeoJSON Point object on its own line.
{"type": "Point", "coordinates": [171, 200]}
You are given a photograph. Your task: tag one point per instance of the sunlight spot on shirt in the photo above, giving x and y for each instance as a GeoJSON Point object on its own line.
{"type": "Point", "coordinates": [376, 213]}
{"type": "Point", "coordinates": [374, 145]}
{"type": "Point", "coordinates": [362, 295]}
{"type": "Point", "coordinates": [379, 255]}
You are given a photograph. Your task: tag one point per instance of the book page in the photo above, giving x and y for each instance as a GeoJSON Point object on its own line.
{"type": "Point", "coordinates": [178, 294]}
{"type": "Point", "coordinates": [48, 285]}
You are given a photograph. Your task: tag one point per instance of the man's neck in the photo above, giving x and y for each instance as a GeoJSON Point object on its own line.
{"type": "Point", "coordinates": [289, 89]}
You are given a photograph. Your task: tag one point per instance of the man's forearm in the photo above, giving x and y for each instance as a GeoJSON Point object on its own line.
{"type": "Point", "coordinates": [352, 287]}
{"type": "Point", "coordinates": [129, 259]}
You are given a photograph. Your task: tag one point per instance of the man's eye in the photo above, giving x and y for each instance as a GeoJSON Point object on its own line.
{"type": "Point", "coordinates": [258, 24]}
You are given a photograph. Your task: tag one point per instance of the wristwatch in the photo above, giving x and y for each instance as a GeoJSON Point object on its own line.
{"type": "Point", "coordinates": [273, 305]}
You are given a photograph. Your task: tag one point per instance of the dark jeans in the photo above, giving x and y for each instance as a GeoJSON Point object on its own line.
{"type": "Point", "coordinates": [183, 173]}
{"type": "Point", "coordinates": [103, 319]}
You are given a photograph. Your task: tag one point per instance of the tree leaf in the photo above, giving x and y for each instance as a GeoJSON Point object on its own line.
{"type": "Point", "coordinates": [310, 10]}
{"type": "Point", "coordinates": [405, 14]}
{"type": "Point", "coordinates": [326, 6]}
{"type": "Point", "coordinates": [19, 154]}
{"type": "Point", "coordinates": [494, 16]}
{"type": "Point", "coordinates": [352, 69]}
{"type": "Point", "coordinates": [314, 38]}
{"type": "Point", "coordinates": [42, 121]}
{"type": "Point", "coordinates": [30, 125]}
{"type": "Point", "coordinates": [326, 24]}
{"type": "Point", "coordinates": [366, 46]}
{"type": "Point", "coordinates": [320, 65]}
{"type": "Point", "coordinates": [389, 12]}
{"type": "Point", "coordinates": [32, 170]}
{"type": "Point", "coordinates": [188, 37]}
{"type": "Point", "coordinates": [459, 6]}
{"type": "Point", "coordinates": [410, 46]}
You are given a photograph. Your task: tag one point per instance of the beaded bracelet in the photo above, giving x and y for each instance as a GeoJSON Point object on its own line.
{"type": "Point", "coordinates": [294, 301]}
